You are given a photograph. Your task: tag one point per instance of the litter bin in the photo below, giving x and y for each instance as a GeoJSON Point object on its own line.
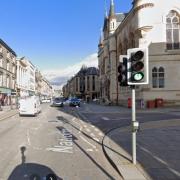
{"type": "Point", "coordinates": [151, 104]}
{"type": "Point", "coordinates": [129, 102]}
{"type": "Point", "coordinates": [159, 102]}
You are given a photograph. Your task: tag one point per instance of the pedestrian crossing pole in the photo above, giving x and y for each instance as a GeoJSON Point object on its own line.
{"type": "Point", "coordinates": [133, 125]}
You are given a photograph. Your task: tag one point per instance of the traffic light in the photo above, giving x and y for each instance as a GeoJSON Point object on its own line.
{"type": "Point", "coordinates": [138, 66]}
{"type": "Point", "coordinates": [122, 70]}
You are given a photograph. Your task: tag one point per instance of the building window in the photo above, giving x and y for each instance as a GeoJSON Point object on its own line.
{"type": "Point", "coordinates": [13, 84]}
{"type": "Point", "coordinates": [88, 83]}
{"type": "Point", "coordinates": [13, 69]}
{"type": "Point", "coordinates": [1, 79]}
{"type": "Point", "coordinates": [173, 30]}
{"type": "Point", "coordinates": [8, 82]}
{"type": "Point", "coordinates": [93, 84]}
{"type": "Point", "coordinates": [8, 66]}
{"type": "Point", "coordinates": [161, 77]}
{"type": "Point", "coordinates": [158, 77]}
{"type": "Point", "coordinates": [1, 62]}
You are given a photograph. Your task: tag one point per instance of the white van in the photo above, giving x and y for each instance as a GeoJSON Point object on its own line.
{"type": "Point", "coordinates": [29, 106]}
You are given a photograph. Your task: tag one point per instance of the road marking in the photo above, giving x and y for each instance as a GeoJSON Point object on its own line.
{"type": "Point", "coordinates": [28, 138]}
{"type": "Point", "coordinates": [105, 118]}
{"type": "Point", "coordinates": [92, 134]}
{"type": "Point", "coordinates": [96, 139]}
{"type": "Point", "coordinates": [100, 134]}
{"type": "Point", "coordinates": [96, 129]}
{"type": "Point", "coordinates": [91, 150]}
{"type": "Point", "coordinates": [87, 142]}
{"type": "Point", "coordinates": [88, 130]}
{"type": "Point", "coordinates": [80, 130]}
{"type": "Point", "coordinates": [160, 160]}
{"type": "Point", "coordinates": [63, 149]}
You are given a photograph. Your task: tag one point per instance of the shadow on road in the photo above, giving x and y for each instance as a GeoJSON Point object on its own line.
{"type": "Point", "coordinates": [31, 171]}
{"type": "Point", "coordinates": [158, 151]}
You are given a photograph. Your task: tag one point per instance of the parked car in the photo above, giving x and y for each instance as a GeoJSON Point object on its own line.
{"type": "Point", "coordinates": [74, 102]}
{"type": "Point", "coordinates": [57, 102]}
{"type": "Point", "coordinates": [46, 100]}
{"type": "Point", "coordinates": [29, 106]}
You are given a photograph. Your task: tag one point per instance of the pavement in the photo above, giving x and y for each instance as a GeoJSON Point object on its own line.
{"type": "Point", "coordinates": [7, 112]}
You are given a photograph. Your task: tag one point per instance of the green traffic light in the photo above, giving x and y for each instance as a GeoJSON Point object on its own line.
{"type": "Point", "coordinates": [138, 76]}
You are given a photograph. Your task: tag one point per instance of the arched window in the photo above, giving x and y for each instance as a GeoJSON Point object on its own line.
{"type": "Point", "coordinates": [173, 30]}
{"type": "Point", "coordinates": [161, 77]}
{"type": "Point", "coordinates": [158, 77]}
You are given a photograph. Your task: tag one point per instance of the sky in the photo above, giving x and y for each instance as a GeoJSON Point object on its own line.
{"type": "Point", "coordinates": [54, 33]}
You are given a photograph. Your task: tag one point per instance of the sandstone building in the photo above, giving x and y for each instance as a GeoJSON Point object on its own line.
{"type": "Point", "coordinates": [154, 24]}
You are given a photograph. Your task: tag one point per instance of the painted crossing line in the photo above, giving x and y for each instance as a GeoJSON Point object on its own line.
{"type": "Point", "coordinates": [88, 130]}
{"type": "Point", "coordinates": [85, 140]}
{"type": "Point", "coordinates": [105, 118]}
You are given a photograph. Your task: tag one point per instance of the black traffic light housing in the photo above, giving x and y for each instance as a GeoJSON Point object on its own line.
{"type": "Point", "coordinates": [138, 66]}
{"type": "Point", "coordinates": [122, 71]}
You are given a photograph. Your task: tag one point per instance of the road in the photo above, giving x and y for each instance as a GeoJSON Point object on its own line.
{"type": "Point", "coordinates": [54, 142]}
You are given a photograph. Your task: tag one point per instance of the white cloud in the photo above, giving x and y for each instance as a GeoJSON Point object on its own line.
{"type": "Point", "coordinates": [58, 77]}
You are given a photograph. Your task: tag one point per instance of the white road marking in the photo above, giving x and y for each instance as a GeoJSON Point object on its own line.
{"type": "Point", "coordinates": [88, 130]}
{"type": "Point", "coordinates": [96, 139]}
{"type": "Point", "coordinates": [100, 134]}
{"type": "Point", "coordinates": [105, 118]}
{"type": "Point", "coordinates": [28, 138]}
{"type": "Point", "coordinates": [63, 149]}
{"type": "Point", "coordinates": [91, 150]}
{"type": "Point", "coordinates": [92, 134]}
{"type": "Point", "coordinates": [160, 160]}
{"type": "Point", "coordinates": [87, 142]}
{"type": "Point", "coordinates": [80, 130]}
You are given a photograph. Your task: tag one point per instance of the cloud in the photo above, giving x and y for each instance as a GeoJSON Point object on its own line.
{"type": "Point", "coordinates": [59, 77]}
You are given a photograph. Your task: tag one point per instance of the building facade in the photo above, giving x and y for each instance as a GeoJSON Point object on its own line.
{"type": "Point", "coordinates": [85, 84]}
{"type": "Point", "coordinates": [152, 24]}
{"type": "Point", "coordinates": [7, 74]}
{"type": "Point", "coordinates": [30, 76]}
{"type": "Point", "coordinates": [43, 87]}
{"type": "Point", "coordinates": [21, 78]}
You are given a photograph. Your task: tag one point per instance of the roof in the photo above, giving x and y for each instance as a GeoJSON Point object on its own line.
{"type": "Point", "coordinates": [88, 71]}
{"type": "Point", "coordinates": [120, 16]}
{"type": "Point", "coordinates": [7, 47]}
{"type": "Point", "coordinates": [92, 71]}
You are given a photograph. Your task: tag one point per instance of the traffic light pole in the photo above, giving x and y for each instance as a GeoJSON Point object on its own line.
{"type": "Point", "coordinates": [133, 121]}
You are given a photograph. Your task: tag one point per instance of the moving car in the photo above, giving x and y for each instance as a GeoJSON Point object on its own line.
{"type": "Point", "coordinates": [29, 106]}
{"type": "Point", "coordinates": [74, 102]}
{"type": "Point", "coordinates": [57, 102]}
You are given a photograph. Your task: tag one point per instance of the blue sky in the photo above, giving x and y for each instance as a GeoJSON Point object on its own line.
{"type": "Point", "coordinates": [54, 33]}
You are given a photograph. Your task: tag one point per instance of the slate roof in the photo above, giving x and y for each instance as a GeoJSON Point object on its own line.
{"type": "Point", "coordinates": [7, 47]}
{"type": "Point", "coordinates": [120, 16]}
{"type": "Point", "coordinates": [88, 71]}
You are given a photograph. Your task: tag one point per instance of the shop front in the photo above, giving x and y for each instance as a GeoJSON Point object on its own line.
{"type": "Point", "coordinates": [5, 96]}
